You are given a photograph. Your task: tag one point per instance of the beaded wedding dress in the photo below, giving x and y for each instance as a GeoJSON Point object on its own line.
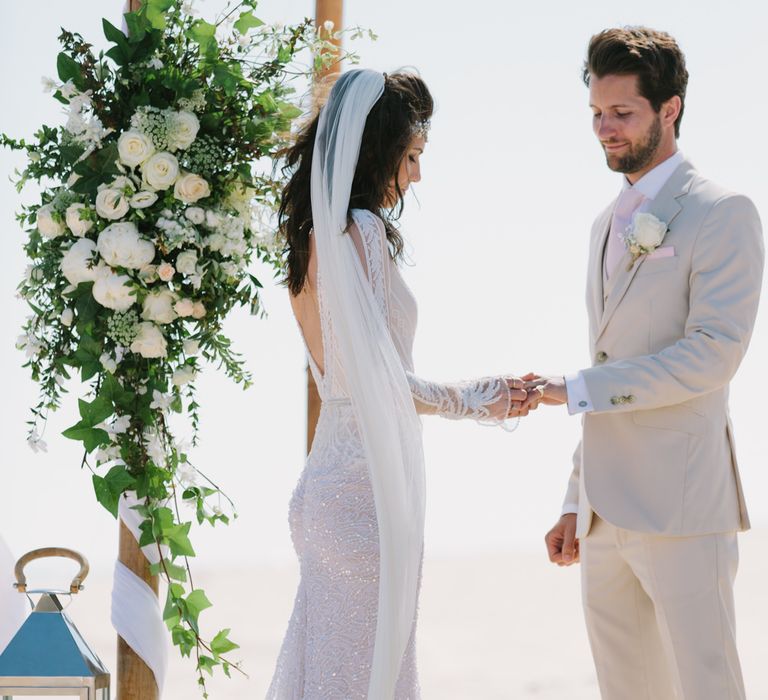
{"type": "Point", "coordinates": [328, 649]}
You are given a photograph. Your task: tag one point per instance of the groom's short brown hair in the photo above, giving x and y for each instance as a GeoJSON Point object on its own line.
{"type": "Point", "coordinates": [653, 56]}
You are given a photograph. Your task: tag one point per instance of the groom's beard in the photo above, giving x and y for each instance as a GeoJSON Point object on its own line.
{"type": "Point", "coordinates": [639, 155]}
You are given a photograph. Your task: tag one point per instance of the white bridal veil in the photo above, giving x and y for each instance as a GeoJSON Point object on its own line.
{"type": "Point", "coordinates": [373, 372]}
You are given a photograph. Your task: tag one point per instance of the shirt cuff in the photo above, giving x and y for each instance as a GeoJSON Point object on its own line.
{"type": "Point", "coordinates": [570, 508]}
{"type": "Point", "coordinates": [578, 394]}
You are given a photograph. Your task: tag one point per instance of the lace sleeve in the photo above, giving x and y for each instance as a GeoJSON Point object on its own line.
{"type": "Point", "coordinates": [486, 399]}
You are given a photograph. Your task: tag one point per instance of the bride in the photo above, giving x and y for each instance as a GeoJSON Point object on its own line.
{"type": "Point", "coordinates": [357, 514]}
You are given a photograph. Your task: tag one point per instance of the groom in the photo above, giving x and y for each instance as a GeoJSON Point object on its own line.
{"type": "Point", "coordinates": [654, 501]}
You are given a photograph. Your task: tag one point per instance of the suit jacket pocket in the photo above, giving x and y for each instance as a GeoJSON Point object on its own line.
{"type": "Point", "coordinates": [679, 418]}
{"type": "Point", "coordinates": [652, 266]}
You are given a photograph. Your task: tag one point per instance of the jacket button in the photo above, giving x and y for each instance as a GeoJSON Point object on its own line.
{"type": "Point", "coordinates": [615, 400]}
{"type": "Point", "coordinates": [601, 357]}
{"type": "Point", "coordinates": [630, 398]}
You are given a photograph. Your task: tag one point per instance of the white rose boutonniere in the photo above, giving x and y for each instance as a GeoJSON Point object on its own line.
{"type": "Point", "coordinates": [644, 235]}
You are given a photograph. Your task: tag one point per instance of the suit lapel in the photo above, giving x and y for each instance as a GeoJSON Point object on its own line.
{"type": "Point", "coordinates": [596, 292]}
{"type": "Point", "coordinates": [665, 207]}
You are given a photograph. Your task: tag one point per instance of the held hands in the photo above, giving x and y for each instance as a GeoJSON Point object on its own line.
{"type": "Point", "coordinates": [526, 393]}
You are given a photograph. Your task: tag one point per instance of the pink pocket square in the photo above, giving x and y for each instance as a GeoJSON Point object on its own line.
{"type": "Point", "coordinates": [668, 251]}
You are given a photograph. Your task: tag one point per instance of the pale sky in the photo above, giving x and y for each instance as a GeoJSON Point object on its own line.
{"type": "Point", "coordinates": [512, 179]}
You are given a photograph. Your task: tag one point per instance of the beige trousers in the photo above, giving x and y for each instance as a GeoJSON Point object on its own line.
{"type": "Point", "coordinates": [660, 614]}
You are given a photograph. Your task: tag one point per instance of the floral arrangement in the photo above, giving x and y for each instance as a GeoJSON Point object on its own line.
{"type": "Point", "coordinates": [157, 195]}
{"type": "Point", "coordinates": [644, 235]}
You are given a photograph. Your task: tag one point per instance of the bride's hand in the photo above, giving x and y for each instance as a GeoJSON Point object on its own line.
{"type": "Point", "coordinates": [515, 404]}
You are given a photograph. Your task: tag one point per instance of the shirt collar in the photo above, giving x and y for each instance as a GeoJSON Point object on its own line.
{"type": "Point", "coordinates": [650, 184]}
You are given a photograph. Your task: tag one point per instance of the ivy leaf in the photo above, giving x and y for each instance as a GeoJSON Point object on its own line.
{"type": "Point", "coordinates": [137, 26]}
{"type": "Point", "coordinates": [206, 663]}
{"type": "Point", "coordinates": [221, 643]}
{"type": "Point", "coordinates": [121, 52]}
{"type": "Point", "coordinates": [155, 10]}
{"type": "Point", "coordinates": [104, 494]}
{"type": "Point", "coordinates": [119, 480]}
{"type": "Point", "coordinates": [69, 69]}
{"type": "Point", "coordinates": [204, 33]}
{"type": "Point", "coordinates": [171, 614]}
{"type": "Point", "coordinates": [247, 21]}
{"type": "Point", "coordinates": [96, 411]}
{"type": "Point", "coordinates": [197, 601]}
{"type": "Point", "coordinates": [90, 437]}
{"type": "Point", "coordinates": [176, 572]}
{"type": "Point", "coordinates": [178, 540]}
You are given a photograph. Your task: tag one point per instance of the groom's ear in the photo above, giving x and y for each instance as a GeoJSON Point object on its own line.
{"type": "Point", "coordinates": [670, 111]}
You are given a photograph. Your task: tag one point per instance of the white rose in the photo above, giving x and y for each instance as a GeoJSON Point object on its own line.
{"type": "Point", "coordinates": [195, 214]}
{"type": "Point", "coordinates": [158, 307]}
{"type": "Point", "coordinates": [183, 130]}
{"type": "Point", "coordinates": [143, 199]}
{"type": "Point", "coordinates": [67, 316]}
{"type": "Point", "coordinates": [212, 219]}
{"type": "Point", "coordinates": [165, 271]}
{"type": "Point", "coordinates": [121, 246]}
{"type": "Point", "coordinates": [215, 241]}
{"type": "Point", "coordinates": [183, 375]}
{"type": "Point", "coordinates": [77, 225]}
{"type": "Point", "coordinates": [161, 170]}
{"type": "Point", "coordinates": [186, 262]}
{"type": "Point", "coordinates": [122, 183]}
{"type": "Point", "coordinates": [78, 264]}
{"type": "Point", "coordinates": [648, 230]}
{"type": "Point", "coordinates": [134, 148]}
{"type": "Point", "coordinates": [48, 226]}
{"type": "Point", "coordinates": [149, 341]}
{"type": "Point", "coordinates": [148, 274]}
{"type": "Point", "coordinates": [191, 347]}
{"type": "Point", "coordinates": [111, 204]}
{"type": "Point", "coordinates": [198, 310]}
{"type": "Point", "coordinates": [114, 291]}
{"type": "Point", "coordinates": [184, 307]}
{"type": "Point", "coordinates": [190, 187]}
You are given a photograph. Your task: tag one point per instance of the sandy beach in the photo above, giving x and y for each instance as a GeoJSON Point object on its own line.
{"type": "Point", "coordinates": [506, 626]}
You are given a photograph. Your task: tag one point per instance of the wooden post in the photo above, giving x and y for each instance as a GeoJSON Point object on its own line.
{"type": "Point", "coordinates": [135, 680]}
{"type": "Point", "coordinates": [325, 10]}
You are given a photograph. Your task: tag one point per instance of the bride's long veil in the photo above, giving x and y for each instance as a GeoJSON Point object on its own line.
{"type": "Point", "coordinates": [374, 375]}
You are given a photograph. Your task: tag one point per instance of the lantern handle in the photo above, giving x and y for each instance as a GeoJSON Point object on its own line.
{"type": "Point", "coordinates": [43, 553]}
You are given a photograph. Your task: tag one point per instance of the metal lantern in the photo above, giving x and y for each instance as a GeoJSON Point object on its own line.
{"type": "Point", "coordinates": [48, 656]}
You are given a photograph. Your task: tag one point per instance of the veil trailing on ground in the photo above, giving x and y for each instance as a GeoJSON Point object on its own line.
{"type": "Point", "coordinates": [373, 373]}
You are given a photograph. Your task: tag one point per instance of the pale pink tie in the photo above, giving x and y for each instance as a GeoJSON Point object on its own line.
{"type": "Point", "coordinates": [628, 203]}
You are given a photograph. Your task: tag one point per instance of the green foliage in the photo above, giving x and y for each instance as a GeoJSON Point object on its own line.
{"type": "Point", "coordinates": [218, 97]}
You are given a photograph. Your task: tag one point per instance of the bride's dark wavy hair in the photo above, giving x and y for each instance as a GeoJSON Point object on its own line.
{"type": "Point", "coordinates": [388, 131]}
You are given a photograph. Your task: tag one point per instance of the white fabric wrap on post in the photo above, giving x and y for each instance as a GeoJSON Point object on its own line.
{"type": "Point", "coordinates": [373, 374]}
{"type": "Point", "coordinates": [12, 603]}
{"type": "Point", "coordinates": [136, 613]}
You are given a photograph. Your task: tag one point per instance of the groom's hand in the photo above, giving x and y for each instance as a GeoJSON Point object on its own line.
{"type": "Point", "coordinates": [550, 391]}
{"type": "Point", "coordinates": [562, 543]}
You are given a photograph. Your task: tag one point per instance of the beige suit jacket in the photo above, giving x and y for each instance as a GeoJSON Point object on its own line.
{"type": "Point", "coordinates": [666, 337]}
